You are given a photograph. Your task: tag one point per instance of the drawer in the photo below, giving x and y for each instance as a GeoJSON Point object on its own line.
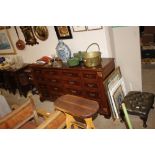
{"type": "Point", "coordinates": [89, 75]}
{"type": "Point", "coordinates": [72, 82]}
{"type": "Point", "coordinates": [90, 84]}
{"type": "Point", "coordinates": [41, 79]}
{"type": "Point", "coordinates": [53, 81]}
{"type": "Point", "coordinates": [37, 73]}
{"type": "Point", "coordinates": [73, 91]}
{"type": "Point", "coordinates": [43, 86]}
{"type": "Point", "coordinates": [69, 74]}
{"type": "Point", "coordinates": [55, 89]}
{"type": "Point", "coordinates": [52, 72]}
{"type": "Point", "coordinates": [48, 81]}
{"type": "Point", "coordinates": [92, 95]}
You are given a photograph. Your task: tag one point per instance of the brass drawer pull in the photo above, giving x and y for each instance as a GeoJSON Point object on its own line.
{"type": "Point", "coordinates": [92, 94]}
{"type": "Point", "coordinates": [69, 74]}
{"type": "Point", "coordinates": [54, 80]}
{"type": "Point", "coordinates": [73, 91]}
{"type": "Point", "coordinates": [55, 88]}
{"type": "Point", "coordinates": [91, 85]}
{"type": "Point", "coordinates": [71, 82]}
{"type": "Point", "coordinates": [90, 76]}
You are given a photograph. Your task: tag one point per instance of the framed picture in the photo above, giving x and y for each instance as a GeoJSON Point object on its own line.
{"type": "Point", "coordinates": [112, 78]}
{"type": "Point", "coordinates": [109, 83]}
{"type": "Point", "coordinates": [63, 32]}
{"type": "Point", "coordinates": [79, 28]}
{"type": "Point", "coordinates": [6, 46]}
{"type": "Point", "coordinates": [117, 93]}
{"type": "Point", "coordinates": [90, 28]}
{"type": "Point", "coordinates": [118, 97]}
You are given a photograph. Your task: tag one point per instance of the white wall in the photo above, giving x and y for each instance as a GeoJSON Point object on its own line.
{"type": "Point", "coordinates": [80, 42]}
{"type": "Point", "coordinates": [125, 42]}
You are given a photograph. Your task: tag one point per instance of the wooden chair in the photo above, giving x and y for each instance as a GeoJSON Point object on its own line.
{"type": "Point", "coordinates": [27, 117]}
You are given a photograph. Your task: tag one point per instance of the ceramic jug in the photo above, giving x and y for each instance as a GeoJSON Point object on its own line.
{"type": "Point", "coordinates": [63, 51]}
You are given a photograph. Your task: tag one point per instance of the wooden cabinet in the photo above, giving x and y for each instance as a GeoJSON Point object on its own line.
{"type": "Point", "coordinates": [81, 81]}
{"type": "Point", "coordinates": [13, 79]}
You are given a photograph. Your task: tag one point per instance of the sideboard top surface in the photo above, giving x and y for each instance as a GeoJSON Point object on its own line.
{"type": "Point", "coordinates": [104, 63]}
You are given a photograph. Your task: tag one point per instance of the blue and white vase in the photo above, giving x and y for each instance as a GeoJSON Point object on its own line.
{"type": "Point", "coordinates": [63, 51]}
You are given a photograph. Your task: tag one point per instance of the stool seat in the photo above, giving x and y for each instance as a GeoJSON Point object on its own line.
{"type": "Point", "coordinates": [77, 106]}
{"type": "Point", "coordinates": [139, 103]}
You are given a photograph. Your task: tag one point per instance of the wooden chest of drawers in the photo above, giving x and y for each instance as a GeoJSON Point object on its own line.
{"type": "Point", "coordinates": [81, 81]}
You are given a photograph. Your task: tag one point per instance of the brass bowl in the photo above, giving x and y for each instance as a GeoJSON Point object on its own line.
{"type": "Point", "coordinates": [92, 59]}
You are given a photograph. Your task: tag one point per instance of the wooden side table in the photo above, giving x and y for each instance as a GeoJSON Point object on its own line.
{"type": "Point", "coordinates": [79, 107]}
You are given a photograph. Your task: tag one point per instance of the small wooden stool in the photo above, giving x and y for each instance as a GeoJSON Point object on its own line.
{"type": "Point", "coordinates": [74, 106]}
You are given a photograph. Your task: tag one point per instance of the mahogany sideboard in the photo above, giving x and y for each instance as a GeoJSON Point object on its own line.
{"type": "Point", "coordinates": [81, 81]}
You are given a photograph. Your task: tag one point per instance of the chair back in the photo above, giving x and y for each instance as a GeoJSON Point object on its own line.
{"type": "Point", "coordinates": [20, 116]}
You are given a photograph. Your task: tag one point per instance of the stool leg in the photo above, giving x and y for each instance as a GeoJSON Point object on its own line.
{"type": "Point", "coordinates": [89, 123]}
{"type": "Point", "coordinates": [144, 121]}
{"type": "Point", "coordinates": [69, 120]}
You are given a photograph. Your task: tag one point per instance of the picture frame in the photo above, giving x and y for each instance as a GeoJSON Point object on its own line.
{"type": "Point", "coordinates": [109, 83]}
{"type": "Point", "coordinates": [63, 32]}
{"type": "Point", "coordinates": [79, 28]}
{"type": "Point", "coordinates": [6, 45]}
{"type": "Point", "coordinates": [90, 28]}
{"type": "Point", "coordinates": [113, 77]}
{"type": "Point", "coordinates": [117, 94]}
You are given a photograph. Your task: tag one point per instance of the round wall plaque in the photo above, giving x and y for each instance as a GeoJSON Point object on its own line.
{"type": "Point", "coordinates": [41, 32]}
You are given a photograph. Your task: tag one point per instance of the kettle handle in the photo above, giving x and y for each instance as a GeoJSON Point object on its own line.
{"type": "Point", "coordinates": [93, 44]}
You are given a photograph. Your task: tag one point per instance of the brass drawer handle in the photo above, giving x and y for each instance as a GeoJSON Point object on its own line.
{"type": "Point", "coordinates": [70, 74]}
{"type": "Point", "coordinates": [91, 85]}
{"type": "Point", "coordinates": [90, 76]}
{"type": "Point", "coordinates": [55, 88]}
{"type": "Point", "coordinates": [71, 82]}
{"type": "Point", "coordinates": [73, 91]}
{"type": "Point", "coordinates": [92, 94]}
{"type": "Point", "coordinates": [54, 80]}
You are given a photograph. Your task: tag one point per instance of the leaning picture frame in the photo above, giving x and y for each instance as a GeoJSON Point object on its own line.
{"type": "Point", "coordinates": [63, 32]}
{"type": "Point", "coordinates": [6, 45]}
{"type": "Point", "coordinates": [112, 78]}
{"type": "Point", "coordinates": [117, 94]}
{"type": "Point", "coordinates": [109, 83]}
